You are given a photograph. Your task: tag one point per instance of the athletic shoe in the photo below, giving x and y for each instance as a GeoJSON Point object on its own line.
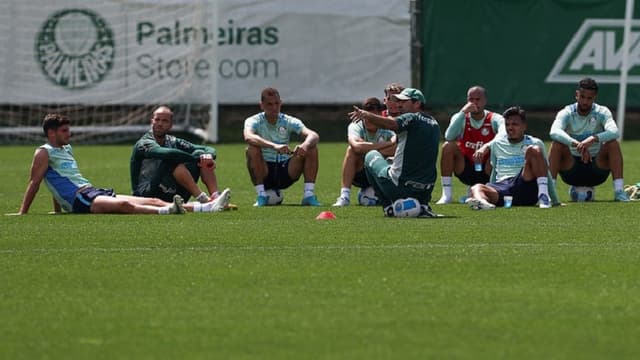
{"type": "Point", "coordinates": [444, 200]}
{"type": "Point", "coordinates": [215, 196]}
{"type": "Point", "coordinates": [479, 204]}
{"type": "Point", "coordinates": [222, 201]}
{"type": "Point", "coordinates": [543, 201]}
{"type": "Point", "coordinates": [177, 206]}
{"type": "Point", "coordinates": [342, 201]}
{"type": "Point", "coordinates": [310, 201]}
{"type": "Point", "coordinates": [621, 195]}
{"type": "Point", "coordinates": [261, 201]}
{"type": "Point", "coordinates": [427, 212]}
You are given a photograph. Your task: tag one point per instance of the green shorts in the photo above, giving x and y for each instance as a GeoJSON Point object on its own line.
{"type": "Point", "coordinates": [164, 186]}
{"type": "Point", "coordinates": [377, 169]}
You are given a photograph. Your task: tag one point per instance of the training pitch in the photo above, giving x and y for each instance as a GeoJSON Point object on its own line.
{"type": "Point", "coordinates": [274, 283]}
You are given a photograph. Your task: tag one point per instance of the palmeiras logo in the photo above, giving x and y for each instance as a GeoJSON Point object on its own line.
{"type": "Point", "coordinates": [595, 50]}
{"type": "Point", "coordinates": [75, 48]}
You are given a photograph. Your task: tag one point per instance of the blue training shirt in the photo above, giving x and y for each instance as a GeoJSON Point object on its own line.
{"type": "Point", "coordinates": [279, 133]}
{"type": "Point", "coordinates": [63, 177]}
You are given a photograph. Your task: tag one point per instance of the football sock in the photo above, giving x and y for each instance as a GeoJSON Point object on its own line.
{"type": "Point", "coordinates": [446, 186]}
{"type": "Point", "coordinates": [542, 186]}
{"type": "Point", "coordinates": [260, 190]}
{"type": "Point", "coordinates": [618, 184]}
{"type": "Point", "coordinates": [164, 210]}
{"type": "Point", "coordinates": [308, 189]}
{"type": "Point", "coordinates": [198, 207]}
{"type": "Point", "coordinates": [207, 207]}
{"type": "Point", "coordinates": [345, 193]}
{"type": "Point", "coordinates": [203, 207]}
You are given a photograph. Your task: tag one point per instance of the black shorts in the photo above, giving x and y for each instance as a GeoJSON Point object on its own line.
{"type": "Point", "coordinates": [85, 197]}
{"type": "Point", "coordinates": [360, 180]}
{"type": "Point", "coordinates": [470, 176]}
{"type": "Point", "coordinates": [582, 174]}
{"type": "Point", "coordinates": [525, 193]}
{"type": "Point", "coordinates": [278, 177]}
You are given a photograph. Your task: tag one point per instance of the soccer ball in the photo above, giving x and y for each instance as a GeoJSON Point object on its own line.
{"type": "Point", "coordinates": [582, 193]}
{"type": "Point", "coordinates": [408, 207]}
{"type": "Point", "coordinates": [274, 197]}
{"type": "Point", "coordinates": [367, 197]}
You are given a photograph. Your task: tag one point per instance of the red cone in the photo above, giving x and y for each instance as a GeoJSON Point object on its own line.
{"type": "Point", "coordinates": [326, 215]}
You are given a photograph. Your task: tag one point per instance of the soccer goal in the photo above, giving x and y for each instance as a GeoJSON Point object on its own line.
{"type": "Point", "coordinates": [106, 64]}
{"type": "Point", "coordinates": [102, 124]}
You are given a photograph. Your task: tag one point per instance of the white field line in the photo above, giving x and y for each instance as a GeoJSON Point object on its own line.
{"type": "Point", "coordinates": [309, 247]}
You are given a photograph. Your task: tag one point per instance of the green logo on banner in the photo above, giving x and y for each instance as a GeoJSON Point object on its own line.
{"type": "Point", "coordinates": [75, 48]}
{"type": "Point", "coordinates": [596, 51]}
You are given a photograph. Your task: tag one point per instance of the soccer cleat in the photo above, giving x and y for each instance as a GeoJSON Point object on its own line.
{"type": "Point", "coordinates": [310, 201]}
{"type": "Point", "coordinates": [222, 201]}
{"type": "Point", "coordinates": [621, 195]}
{"type": "Point", "coordinates": [444, 200]}
{"type": "Point", "coordinates": [177, 206]}
{"type": "Point", "coordinates": [479, 204]}
{"type": "Point", "coordinates": [261, 201]}
{"type": "Point", "coordinates": [543, 201]}
{"type": "Point", "coordinates": [342, 201]}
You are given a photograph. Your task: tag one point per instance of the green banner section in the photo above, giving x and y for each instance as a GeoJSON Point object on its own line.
{"type": "Point", "coordinates": [526, 52]}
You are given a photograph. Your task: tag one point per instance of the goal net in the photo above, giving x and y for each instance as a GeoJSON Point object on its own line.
{"type": "Point", "coordinates": [106, 65]}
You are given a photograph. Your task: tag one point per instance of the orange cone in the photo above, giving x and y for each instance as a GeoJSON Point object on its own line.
{"type": "Point", "coordinates": [326, 215]}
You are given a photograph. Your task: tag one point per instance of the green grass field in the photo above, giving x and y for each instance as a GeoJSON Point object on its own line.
{"type": "Point", "coordinates": [274, 283]}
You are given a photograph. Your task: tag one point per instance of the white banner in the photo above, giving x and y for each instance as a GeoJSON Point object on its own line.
{"type": "Point", "coordinates": [313, 51]}
{"type": "Point", "coordinates": [132, 52]}
{"type": "Point", "coordinates": [108, 51]}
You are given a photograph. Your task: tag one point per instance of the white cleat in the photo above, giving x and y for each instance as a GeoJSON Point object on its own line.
{"type": "Point", "coordinates": [543, 201]}
{"type": "Point", "coordinates": [342, 201]}
{"type": "Point", "coordinates": [221, 202]}
{"type": "Point", "coordinates": [479, 204]}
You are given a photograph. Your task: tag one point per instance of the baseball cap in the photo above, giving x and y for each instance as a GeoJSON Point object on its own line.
{"type": "Point", "coordinates": [411, 94]}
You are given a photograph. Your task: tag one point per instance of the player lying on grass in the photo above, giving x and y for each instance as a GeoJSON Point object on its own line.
{"type": "Point", "coordinates": [54, 163]}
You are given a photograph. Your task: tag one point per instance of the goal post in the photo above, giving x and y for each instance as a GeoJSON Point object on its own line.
{"type": "Point", "coordinates": [107, 65]}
